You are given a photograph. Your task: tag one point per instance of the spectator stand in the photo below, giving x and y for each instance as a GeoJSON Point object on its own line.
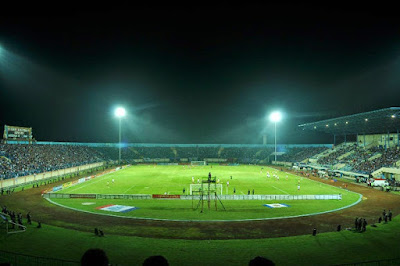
{"type": "Point", "coordinates": [376, 142]}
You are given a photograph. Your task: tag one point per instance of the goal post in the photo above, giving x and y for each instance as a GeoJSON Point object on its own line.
{"type": "Point", "coordinates": [197, 187]}
{"type": "Point", "coordinates": [198, 163]}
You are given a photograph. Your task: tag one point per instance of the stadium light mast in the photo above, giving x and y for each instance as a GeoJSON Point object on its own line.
{"type": "Point", "coordinates": [120, 112]}
{"type": "Point", "coordinates": [275, 117]}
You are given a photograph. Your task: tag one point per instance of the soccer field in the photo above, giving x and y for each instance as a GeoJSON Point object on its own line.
{"type": "Point", "coordinates": [172, 180]}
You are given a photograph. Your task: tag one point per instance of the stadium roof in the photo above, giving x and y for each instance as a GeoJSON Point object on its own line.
{"type": "Point", "coordinates": [374, 122]}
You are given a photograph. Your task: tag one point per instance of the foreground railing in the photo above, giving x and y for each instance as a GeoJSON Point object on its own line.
{"type": "Point", "coordinates": [190, 197]}
{"type": "Point", "coordinates": [385, 262]}
{"type": "Point", "coordinates": [20, 259]}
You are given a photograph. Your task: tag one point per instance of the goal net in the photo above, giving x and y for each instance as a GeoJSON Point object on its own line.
{"type": "Point", "coordinates": [213, 188]}
{"type": "Point", "coordinates": [198, 163]}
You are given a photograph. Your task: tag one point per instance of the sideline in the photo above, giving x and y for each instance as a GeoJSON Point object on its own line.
{"type": "Point", "coordinates": [236, 220]}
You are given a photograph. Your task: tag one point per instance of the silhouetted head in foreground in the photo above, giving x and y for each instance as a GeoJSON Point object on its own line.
{"type": "Point", "coordinates": [155, 261]}
{"type": "Point", "coordinates": [94, 256]}
{"type": "Point", "coordinates": [261, 261]}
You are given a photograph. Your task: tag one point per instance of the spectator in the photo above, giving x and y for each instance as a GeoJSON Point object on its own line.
{"type": "Point", "coordinates": [94, 257]}
{"type": "Point", "coordinates": [261, 261]}
{"type": "Point", "coordinates": [155, 261]}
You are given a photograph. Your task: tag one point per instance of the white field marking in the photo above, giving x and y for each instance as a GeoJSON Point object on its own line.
{"type": "Point", "coordinates": [128, 189]}
{"type": "Point", "coordinates": [242, 192]}
{"type": "Point", "coordinates": [280, 190]}
{"type": "Point", "coordinates": [257, 219]}
{"type": "Point", "coordinates": [89, 183]}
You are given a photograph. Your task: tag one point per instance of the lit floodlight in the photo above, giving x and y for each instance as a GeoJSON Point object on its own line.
{"type": "Point", "coordinates": [120, 112]}
{"type": "Point", "coordinates": [275, 117]}
{"type": "Point", "coordinates": [393, 116]}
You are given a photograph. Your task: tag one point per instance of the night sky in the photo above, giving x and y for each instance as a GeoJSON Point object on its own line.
{"type": "Point", "coordinates": [205, 74]}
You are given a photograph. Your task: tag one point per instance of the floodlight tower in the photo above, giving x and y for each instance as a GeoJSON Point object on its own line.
{"type": "Point", "coordinates": [275, 117]}
{"type": "Point", "coordinates": [120, 112]}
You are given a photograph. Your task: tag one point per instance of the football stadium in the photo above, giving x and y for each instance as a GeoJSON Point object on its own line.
{"type": "Point", "coordinates": [179, 197]}
{"type": "Point", "coordinates": [205, 136]}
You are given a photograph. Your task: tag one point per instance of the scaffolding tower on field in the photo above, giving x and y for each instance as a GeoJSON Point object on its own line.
{"type": "Point", "coordinates": [207, 192]}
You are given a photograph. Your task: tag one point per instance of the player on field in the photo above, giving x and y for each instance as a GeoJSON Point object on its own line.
{"type": "Point", "coordinates": [192, 179]}
{"type": "Point", "coordinates": [113, 180]}
{"type": "Point", "coordinates": [298, 187]}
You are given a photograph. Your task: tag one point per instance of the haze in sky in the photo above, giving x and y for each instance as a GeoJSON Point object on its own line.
{"type": "Point", "coordinates": [195, 75]}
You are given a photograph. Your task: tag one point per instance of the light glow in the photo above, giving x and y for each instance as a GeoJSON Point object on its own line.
{"type": "Point", "coordinates": [120, 112]}
{"type": "Point", "coordinates": [275, 117]}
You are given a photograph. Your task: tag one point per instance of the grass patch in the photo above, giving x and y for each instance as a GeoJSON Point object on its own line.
{"type": "Point", "coordinates": [149, 179]}
{"type": "Point", "coordinates": [380, 243]}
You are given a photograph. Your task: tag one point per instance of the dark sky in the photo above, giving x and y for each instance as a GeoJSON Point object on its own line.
{"type": "Point", "coordinates": [205, 74]}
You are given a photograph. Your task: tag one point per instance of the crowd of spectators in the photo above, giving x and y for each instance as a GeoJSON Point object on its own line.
{"type": "Point", "coordinates": [298, 154]}
{"type": "Point", "coordinates": [359, 155]}
{"type": "Point", "coordinates": [360, 159]}
{"type": "Point", "coordinates": [240, 154]}
{"type": "Point", "coordinates": [333, 157]}
{"type": "Point", "coordinates": [23, 159]}
{"type": "Point", "coordinates": [388, 158]}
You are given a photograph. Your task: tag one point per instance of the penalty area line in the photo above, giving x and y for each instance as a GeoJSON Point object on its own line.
{"type": "Point", "coordinates": [128, 189]}
{"type": "Point", "coordinates": [280, 190]}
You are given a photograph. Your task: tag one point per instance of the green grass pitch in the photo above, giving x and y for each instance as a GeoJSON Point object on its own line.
{"type": "Point", "coordinates": [151, 179]}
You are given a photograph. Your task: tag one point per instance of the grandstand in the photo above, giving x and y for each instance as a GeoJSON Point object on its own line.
{"type": "Point", "coordinates": [375, 153]}
{"type": "Point", "coordinates": [31, 159]}
{"type": "Point", "coordinates": [19, 160]}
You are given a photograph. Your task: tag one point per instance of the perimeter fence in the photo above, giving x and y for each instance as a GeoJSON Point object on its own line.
{"type": "Point", "coordinates": [20, 259]}
{"type": "Point", "coordinates": [385, 262]}
{"type": "Point", "coordinates": [190, 197]}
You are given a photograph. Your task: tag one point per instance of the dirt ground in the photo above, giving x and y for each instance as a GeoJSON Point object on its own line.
{"type": "Point", "coordinates": [370, 208]}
